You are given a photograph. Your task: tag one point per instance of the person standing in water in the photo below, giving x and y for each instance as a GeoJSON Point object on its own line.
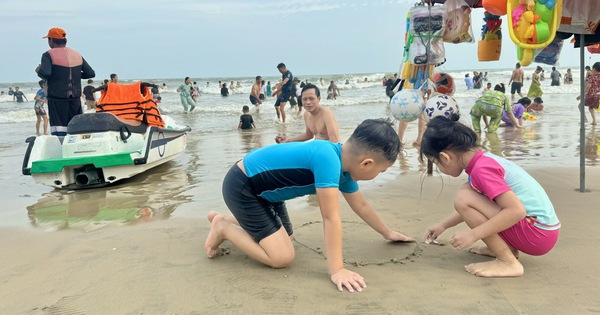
{"type": "Point", "coordinates": [40, 112]}
{"type": "Point", "coordinates": [286, 90]}
{"type": "Point", "coordinates": [185, 96]}
{"type": "Point", "coordinates": [63, 68]}
{"type": "Point", "coordinates": [516, 81]}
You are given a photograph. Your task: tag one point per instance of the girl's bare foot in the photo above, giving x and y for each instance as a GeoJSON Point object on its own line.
{"type": "Point", "coordinates": [496, 268]}
{"type": "Point", "coordinates": [482, 250]}
{"type": "Point", "coordinates": [214, 238]}
{"type": "Point", "coordinates": [485, 251]}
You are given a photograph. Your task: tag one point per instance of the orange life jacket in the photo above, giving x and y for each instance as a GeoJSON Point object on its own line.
{"type": "Point", "coordinates": [130, 101]}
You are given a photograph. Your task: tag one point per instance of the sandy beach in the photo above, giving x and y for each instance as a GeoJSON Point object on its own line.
{"type": "Point", "coordinates": [160, 267]}
{"type": "Point", "coordinates": [138, 247]}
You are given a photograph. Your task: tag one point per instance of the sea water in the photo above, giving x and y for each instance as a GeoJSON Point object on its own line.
{"type": "Point", "coordinates": [190, 185]}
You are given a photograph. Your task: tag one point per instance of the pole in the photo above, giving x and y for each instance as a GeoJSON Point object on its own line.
{"type": "Point", "coordinates": [582, 114]}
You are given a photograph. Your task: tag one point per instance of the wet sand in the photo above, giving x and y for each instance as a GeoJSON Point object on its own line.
{"type": "Point", "coordinates": [160, 267]}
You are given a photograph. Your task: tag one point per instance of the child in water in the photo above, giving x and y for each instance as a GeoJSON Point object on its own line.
{"type": "Point", "coordinates": [518, 110]}
{"type": "Point", "coordinates": [502, 204]}
{"type": "Point", "coordinates": [246, 121]}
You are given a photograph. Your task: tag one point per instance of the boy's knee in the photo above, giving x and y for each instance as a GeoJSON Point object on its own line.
{"type": "Point", "coordinates": [282, 261]}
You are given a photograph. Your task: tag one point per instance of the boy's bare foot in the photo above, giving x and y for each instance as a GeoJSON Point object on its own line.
{"type": "Point", "coordinates": [211, 215]}
{"type": "Point", "coordinates": [214, 238]}
{"type": "Point", "coordinates": [496, 268]}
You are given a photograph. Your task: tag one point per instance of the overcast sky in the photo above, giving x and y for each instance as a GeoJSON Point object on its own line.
{"type": "Point", "coordinates": [227, 38]}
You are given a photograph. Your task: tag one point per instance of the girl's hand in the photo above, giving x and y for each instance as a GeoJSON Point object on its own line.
{"type": "Point", "coordinates": [433, 232]}
{"type": "Point", "coordinates": [398, 237]}
{"type": "Point", "coordinates": [349, 279]}
{"type": "Point", "coordinates": [462, 240]}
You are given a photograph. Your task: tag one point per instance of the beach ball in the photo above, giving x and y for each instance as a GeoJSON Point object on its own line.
{"type": "Point", "coordinates": [407, 104]}
{"type": "Point", "coordinates": [443, 83]}
{"type": "Point", "coordinates": [440, 105]}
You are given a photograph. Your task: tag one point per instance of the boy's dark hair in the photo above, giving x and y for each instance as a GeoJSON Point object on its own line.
{"type": "Point", "coordinates": [500, 87]}
{"type": "Point", "coordinates": [311, 86]}
{"type": "Point", "coordinates": [446, 134]}
{"type": "Point", "coordinates": [375, 136]}
{"type": "Point", "coordinates": [112, 76]}
{"type": "Point", "coordinates": [281, 65]}
{"type": "Point", "coordinates": [187, 78]}
{"type": "Point", "coordinates": [245, 108]}
{"type": "Point", "coordinates": [90, 81]}
{"type": "Point", "coordinates": [41, 83]}
{"type": "Point", "coordinates": [257, 78]}
{"type": "Point", "coordinates": [538, 100]}
{"type": "Point", "coordinates": [596, 66]}
{"type": "Point", "coordinates": [524, 101]}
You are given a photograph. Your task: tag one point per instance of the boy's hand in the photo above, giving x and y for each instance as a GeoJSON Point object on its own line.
{"type": "Point", "coordinates": [398, 237]}
{"type": "Point", "coordinates": [433, 232]}
{"type": "Point", "coordinates": [349, 279]}
{"type": "Point", "coordinates": [462, 240]}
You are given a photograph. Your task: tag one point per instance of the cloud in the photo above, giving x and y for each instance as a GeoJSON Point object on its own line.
{"type": "Point", "coordinates": [264, 8]}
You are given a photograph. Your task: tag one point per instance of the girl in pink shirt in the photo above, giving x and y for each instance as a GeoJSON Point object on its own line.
{"type": "Point", "coordinates": [503, 205]}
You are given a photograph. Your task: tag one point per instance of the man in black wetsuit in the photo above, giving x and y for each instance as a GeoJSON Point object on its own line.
{"type": "Point", "coordinates": [63, 68]}
{"type": "Point", "coordinates": [286, 90]}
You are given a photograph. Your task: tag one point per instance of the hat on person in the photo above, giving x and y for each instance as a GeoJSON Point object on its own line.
{"type": "Point", "coordinates": [57, 33]}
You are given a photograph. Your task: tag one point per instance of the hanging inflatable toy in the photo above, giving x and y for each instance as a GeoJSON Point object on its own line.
{"type": "Point", "coordinates": [407, 105]}
{"type": "Point", "coordinates": [440, 105]}
{"type": "Point", "coordinates": [532, 25]}
{"type": "Point", "coordinates": [443, 83]}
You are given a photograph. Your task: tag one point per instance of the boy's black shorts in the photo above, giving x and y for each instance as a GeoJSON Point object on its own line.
{"type": "Point", "coordinates": [257, 216]}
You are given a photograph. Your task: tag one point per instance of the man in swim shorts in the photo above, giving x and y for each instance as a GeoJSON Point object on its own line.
{"type": "Point", "coordinates": [255, 91]}
{"type": "Point", "coordinates": [286, 89]}
{"type": "Point", "coordinates": [517, 81]}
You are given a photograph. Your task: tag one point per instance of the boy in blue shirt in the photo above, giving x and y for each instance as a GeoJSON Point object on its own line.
{"type": "Point", "coordinates": [256, 187]}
